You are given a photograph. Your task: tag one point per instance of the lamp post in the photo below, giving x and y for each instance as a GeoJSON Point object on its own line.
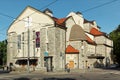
{"type": "Point", "coordinates": [28, 57]}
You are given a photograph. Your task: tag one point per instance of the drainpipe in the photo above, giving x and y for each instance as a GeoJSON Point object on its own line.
{"type": "Point", "coordinates": [65, 48]}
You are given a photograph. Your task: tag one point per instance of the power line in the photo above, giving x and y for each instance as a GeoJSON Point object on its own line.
{"type": "Point", "coordinates": [2, 14]}
{"type": "Point", "coordinates": [101, 5]}
{"type": "Point", "coordinates": [40, 9]}
{"type": "Point", "coordinates": [27, 16]}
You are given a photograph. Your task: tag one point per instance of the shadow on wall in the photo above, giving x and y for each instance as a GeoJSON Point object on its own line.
{"type": "Point", "coordinates": [58, 79]}
{"type": "Point", "coordinates": [21, 78]}
{"type": "Point", "coordinates": [45, 79]}
{"type": "Point", "coordinates": [113, 57]}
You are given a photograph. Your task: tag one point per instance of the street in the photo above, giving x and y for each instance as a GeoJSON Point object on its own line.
{"type": "Point", "coordinates": [73, 75]}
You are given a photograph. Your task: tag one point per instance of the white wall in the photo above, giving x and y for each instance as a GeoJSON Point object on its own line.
{"type": "Point", "coordinates": [77, 18]}
{"type": "Point", "coordinates": [69, 23]}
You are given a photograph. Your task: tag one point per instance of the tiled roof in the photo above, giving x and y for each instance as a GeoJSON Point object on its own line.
{"type": "Point", "coordinates": [59, 21]}
{"type": "Point", "coordinates": [89, 40]}
{"type": "Point", "coordinates": [71, 49]}
{"type": "Point", "coordinates": [96, 32]}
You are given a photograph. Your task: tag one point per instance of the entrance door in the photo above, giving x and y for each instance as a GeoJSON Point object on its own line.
{"type": "Point", "coordinates": [48, 63]}
{"type": "Point", "coordinates": [71, 64]}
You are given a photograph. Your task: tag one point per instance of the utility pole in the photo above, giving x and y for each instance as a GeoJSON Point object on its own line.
{"type": "Point", "coordinates": [28, 59]}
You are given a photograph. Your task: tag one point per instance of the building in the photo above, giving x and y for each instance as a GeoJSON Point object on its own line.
{"type": "Point", "coordinates": [45, 42]}
{"type": "Point", "coordinates": [38, 39]}
{"type": "Point", "coordinates": [86, 45]}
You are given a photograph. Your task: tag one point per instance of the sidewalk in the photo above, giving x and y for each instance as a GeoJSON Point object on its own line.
{"type": "Point", "coordinates": [72, 71]}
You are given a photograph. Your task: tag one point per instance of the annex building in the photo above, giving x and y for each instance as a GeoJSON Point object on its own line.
{"type": "Point", "coordinates": [44, 42]}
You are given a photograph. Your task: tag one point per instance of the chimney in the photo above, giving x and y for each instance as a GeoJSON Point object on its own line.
{"type": "Point", "coordinates": [48, 12]}
{"type": "Point", "coordinates": [79, 14]}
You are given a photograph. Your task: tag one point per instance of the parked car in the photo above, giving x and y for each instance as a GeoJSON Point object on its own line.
{"type": "Point", "coordinates": [114, 65]}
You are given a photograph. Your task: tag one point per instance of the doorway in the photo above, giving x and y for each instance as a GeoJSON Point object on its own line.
{"type": "Point", "coordinates": [71, 64]}
{"type": "Point", "coordinates": [48, 63]}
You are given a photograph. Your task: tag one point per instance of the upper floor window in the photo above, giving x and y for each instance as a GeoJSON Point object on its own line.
{"type": "Point", "coordinates": [23, 36]}
{"type": "Point", "coordinates": [37, 39]}
{"type": "Point", "coordinates": [34, 35]}
{"type": "Point", "coordinates": [19, 41]}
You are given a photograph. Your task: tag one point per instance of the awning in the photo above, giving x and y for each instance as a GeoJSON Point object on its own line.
{"type": "Point", "coordinates": [25, 61]}
{"type": "Point", "coordinates": [96, 57]}
{"type": "Point", "coordinates": [21, 58]}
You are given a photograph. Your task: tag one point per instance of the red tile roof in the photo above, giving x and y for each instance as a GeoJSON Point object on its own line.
{"type": "Point", "coordinates": [59, 21]}
{"type": "Point", "coordinates": [96, 32]}
{"type": "Point", "coordinates": [71, 49]}
{"type": "Point", "coordinates": [89, 40]}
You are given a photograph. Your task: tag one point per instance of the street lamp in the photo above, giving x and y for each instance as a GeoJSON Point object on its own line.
{"type": "Point", "coordinates": [28, 56]}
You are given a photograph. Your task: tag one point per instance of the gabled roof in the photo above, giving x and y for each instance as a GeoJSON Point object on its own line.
{"type": "Point", "coordinates": [34, 11]}
{"type": "Point", "coordinates": [96, 32]}
{"type": "Point", "coordinates": [60, 21]}
{"type": "Point", "coordinates": [55, 20]}
{"type": "Point", "coordinates": [71, 50]}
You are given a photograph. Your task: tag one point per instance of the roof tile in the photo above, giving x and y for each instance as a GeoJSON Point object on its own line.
{"type": "Point", "coordinates": [59, 21]}
{"type": "Point", "coordinates": [95, 32]}
{"type": "Point", "coordinates": [71, 49]}
{"type": "Point", "coordinates": [89, 40]}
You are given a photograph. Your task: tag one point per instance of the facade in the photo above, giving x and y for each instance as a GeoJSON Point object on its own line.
{"type": "Point", "coordinates": [94, 48]}
{"type": "Point", "coordinates": [38, 39]}
{"type": "Point", "coordinates": [44, 42]}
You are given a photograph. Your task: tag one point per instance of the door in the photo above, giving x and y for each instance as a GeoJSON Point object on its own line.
{"type": "Point", "coordinates": [71, 64]}
{"type": "Point", "coordinates": [48, 63]}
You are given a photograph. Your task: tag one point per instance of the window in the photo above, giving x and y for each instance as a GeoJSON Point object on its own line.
{"type": "Point", "coordinates": [23, 36]}
{"type": "Point", "coordinates": [19, 41]}
{"type": "Point", "coordinates": [37, 39]}
{"type": "Point", "coordinates": [33, 35]}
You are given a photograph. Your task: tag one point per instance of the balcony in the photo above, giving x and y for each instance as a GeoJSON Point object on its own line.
{"type": "Point", "coordinates": [95, 56]}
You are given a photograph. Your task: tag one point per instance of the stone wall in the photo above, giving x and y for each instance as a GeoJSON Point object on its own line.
{"type": "Point", "coordinates": [55, 47]}
{"type": "Point", "coordinates": [12, 48]}
{"type": "Point", "coordinates": [59, 48]}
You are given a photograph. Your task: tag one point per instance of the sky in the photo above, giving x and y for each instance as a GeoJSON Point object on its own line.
{"type": "Point", "coordinates": [106, 13]}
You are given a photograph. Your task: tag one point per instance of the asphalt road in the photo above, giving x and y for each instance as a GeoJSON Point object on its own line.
{"type": "Point", "coordinates": [73, 75]}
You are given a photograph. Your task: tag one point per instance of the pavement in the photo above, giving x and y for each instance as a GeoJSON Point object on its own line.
{"type": "Point", "coordinates": [71, 71]}
{"type": "Point", "coordinates": [75, 74]}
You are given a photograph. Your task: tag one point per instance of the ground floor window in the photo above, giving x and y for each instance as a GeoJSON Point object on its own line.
{"type": "Point", "coordinates": [24, 62]}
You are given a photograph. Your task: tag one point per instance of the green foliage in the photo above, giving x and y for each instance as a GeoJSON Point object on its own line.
{"type": "Point", "coordinates": [3, 50]}
{"type": "Point", "coordinates": [115, 36]}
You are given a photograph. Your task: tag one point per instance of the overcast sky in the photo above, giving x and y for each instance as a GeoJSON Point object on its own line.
{"type": "Point", "coordinates": [106, 13]}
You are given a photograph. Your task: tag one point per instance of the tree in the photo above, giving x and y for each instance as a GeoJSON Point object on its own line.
{"type": "Point", "coordinates": [115, 36]}
{"type": "Point", "coordinates": [3, 51]}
